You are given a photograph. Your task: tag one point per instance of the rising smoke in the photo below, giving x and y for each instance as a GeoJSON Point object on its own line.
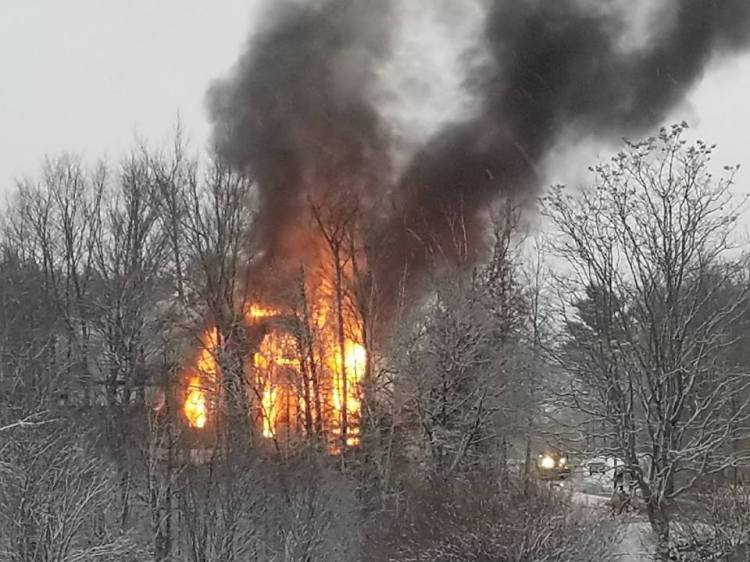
{"type": "Point", "coordinates": [296, 113]}
{"type": "Point", "coordinates": [300, 110]}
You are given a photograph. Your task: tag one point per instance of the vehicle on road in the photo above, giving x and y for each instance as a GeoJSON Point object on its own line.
{"type": "Point", "coordinates": [552, 465]}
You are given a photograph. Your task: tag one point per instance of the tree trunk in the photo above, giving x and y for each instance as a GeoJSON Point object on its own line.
{"type": "Point", "coordinates": [659, 520]}
{"type": "Point", "coordinates": [342, 345]}
{"type": "Point", "coordinates": [311, 363]}
{"type": "Point", "coordinates": [527, 467]}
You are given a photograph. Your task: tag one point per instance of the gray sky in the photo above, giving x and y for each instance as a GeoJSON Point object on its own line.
{"type": "Point", "coordinates": [88, 75]}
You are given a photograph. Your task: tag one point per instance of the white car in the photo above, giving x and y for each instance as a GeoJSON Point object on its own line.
{"type": "Point", "coordinates": [600, 471]}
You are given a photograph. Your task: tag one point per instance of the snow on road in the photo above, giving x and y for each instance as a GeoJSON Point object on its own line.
{"type": "Point", "coordinates": [632, 547]}
{"type": "Point", "coordinates": [589, 500]}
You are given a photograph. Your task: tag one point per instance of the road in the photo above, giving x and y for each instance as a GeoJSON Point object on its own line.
{"type": "Point", "coordinates": [632, 546]}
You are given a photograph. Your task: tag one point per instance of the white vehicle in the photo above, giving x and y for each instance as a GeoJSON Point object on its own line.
{"type": "Point", "coordinates": [609, 473]}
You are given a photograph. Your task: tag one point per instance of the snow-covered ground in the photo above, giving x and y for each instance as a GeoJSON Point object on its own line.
{"type": "Point", "coordinates": [634, 544]}
{"type": "Point", "coordinates": [595, 493]}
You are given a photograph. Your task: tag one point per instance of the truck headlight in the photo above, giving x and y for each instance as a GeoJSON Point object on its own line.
{"type": "Point", "coordinates": [548, 462]}
{"type": "Point", "coordinates": [563, 461]}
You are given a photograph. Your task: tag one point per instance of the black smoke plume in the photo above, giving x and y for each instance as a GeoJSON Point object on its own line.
{"type": "Point", "coordinates": [298, 111]}
{"type": "Point", "coordinates": [556, 67]}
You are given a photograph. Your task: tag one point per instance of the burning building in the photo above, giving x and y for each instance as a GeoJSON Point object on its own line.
{"type": "Point", "coordinates": [302, 373]}
{"type": "Point", "coordinates": [302, 114]}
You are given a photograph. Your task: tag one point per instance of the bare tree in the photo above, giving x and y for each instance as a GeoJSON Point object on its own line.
{"type": "Point", "coordinates": [716, 526]}
{"type": "Point", "coordinates": [62, 215]}
{"type": "Point", "coordinates": [215, 229]}
{"type": "Point", "coordinates": [173, 172]}
{"type": "Point", "coordinates": [56, 503]}
{"type": "Point", "coordinates": [336, 222]}
{"type": "Point", "coordinates": [469, 520]}
{"type": "Point", "coordinates": [52, 481]}
{"type": "Point", "coordinates": [651, 242]}
{"type": "Point", "coordinates": [128, 285]}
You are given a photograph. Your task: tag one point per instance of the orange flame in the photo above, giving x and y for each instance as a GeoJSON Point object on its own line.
{"type": "Point", "coordinates": [270, 411]}
{"type": "Point", "coordinates": [195, 404]}
{"type": "Point", "coordinates": [296, 380]}
{"type": "Point", "coordinates": [204, 375]}
{"type": "Point", "coordinates": [354, 362]}
{"type": "Point", "coordinates": [277, 353]}
{"type": "Point", "coordinates": [258, 312]}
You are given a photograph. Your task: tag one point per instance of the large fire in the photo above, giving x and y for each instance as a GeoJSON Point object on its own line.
{"type": "Point", "coordinates": [298, 384]}
{"type": "Point", "coordinates": [204, 374]}
{"type": "Point", "coordinates": [276, 368]}
{"type": "Point", "coordinates": [195, 404]}
{"type": "Point", "coordinates": [354, 363]}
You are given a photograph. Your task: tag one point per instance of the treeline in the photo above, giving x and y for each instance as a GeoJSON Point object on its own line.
{"type": "Point", "coordinates": [633, 347]}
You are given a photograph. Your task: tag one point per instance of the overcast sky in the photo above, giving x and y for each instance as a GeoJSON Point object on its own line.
{"type": "Point", "coordinates": [88, 75]}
